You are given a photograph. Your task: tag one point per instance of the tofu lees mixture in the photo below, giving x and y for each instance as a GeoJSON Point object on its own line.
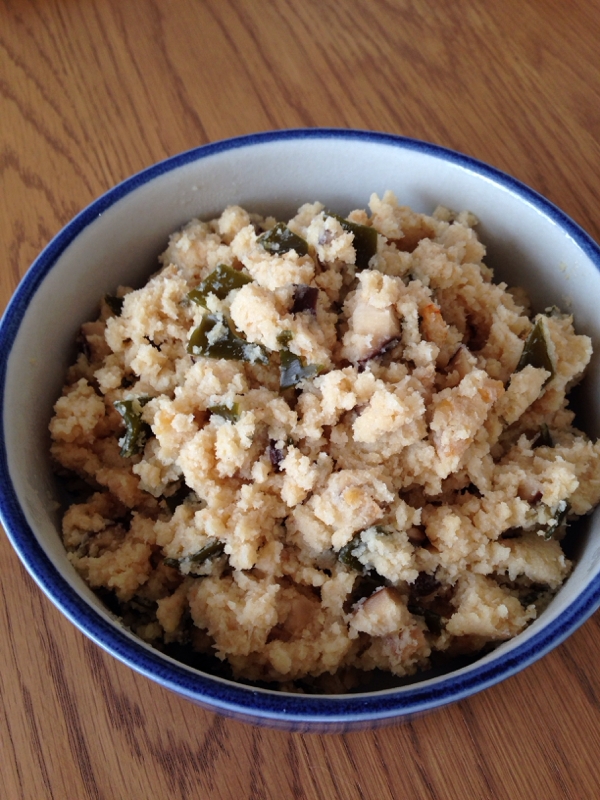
{"type": "Point", "coordinates": [326, 447]}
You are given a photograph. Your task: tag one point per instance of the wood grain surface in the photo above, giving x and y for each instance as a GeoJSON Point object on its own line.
{"type": "Point", "coordinates": [92, 91]}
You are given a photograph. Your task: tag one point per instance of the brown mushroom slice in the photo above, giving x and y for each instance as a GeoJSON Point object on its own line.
{"type": "Point", "coordinates": [302, 612]}
{"type": "Point", "coordinates": [371, 330]}
{"type": "Point", "coordinates": [382, 613]}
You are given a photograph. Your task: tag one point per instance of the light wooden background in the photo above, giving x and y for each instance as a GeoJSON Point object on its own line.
{"type": "Point", "coordinates": [94, 90]}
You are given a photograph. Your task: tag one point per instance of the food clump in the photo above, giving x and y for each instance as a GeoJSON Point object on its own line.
{"type": "Point", "coordinates": [315, 449]}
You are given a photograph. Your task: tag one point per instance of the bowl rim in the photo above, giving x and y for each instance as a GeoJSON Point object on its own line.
{"type": "Point", "coordinates": [246, 702]}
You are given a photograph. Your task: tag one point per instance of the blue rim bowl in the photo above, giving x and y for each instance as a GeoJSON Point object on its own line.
{"type": "Point", "coordinates": [116, 239]}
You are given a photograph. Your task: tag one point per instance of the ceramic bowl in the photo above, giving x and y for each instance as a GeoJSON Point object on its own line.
{"type": "Point", "coordinates": [117, 240]}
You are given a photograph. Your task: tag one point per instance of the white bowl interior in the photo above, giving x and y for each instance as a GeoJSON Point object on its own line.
{"type": "Point", "coordinates": [120, 246]}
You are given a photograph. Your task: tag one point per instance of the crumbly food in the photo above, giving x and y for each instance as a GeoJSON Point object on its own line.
{"type": "Point", "coordinates": [326, 447]}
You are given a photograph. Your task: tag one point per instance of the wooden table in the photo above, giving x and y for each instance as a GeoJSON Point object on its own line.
{"type": "Point", "coordinates": [95, 90]}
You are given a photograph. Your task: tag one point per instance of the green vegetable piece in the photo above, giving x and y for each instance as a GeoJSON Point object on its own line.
{"type": "Point", "coordinates": [215, 338]}
{"type": "Point", "coordinates": [114, 303]}
{"type": "Point", "coordinates": [433, 620]}
{"type": "Point", "coordinates": [230, 414]}
{"type": "Point", "coordinates": [535, 351]}
{"type": "Point", "coordinates": [280, 239]}
{"type": "Point", "coordinates": [381, 530]}
{"type": "Point", "coordinates": [211, 549]}
{"type": "Point", "coordinates": [136, 430]}
{"type": "Point", "coordinates": [220, 282]}
{"type": "Point", "coordinates": [284, 338]}
{"type": "Point", "coordinates": [553, 311]}
{"type": "Point", "coordinates": [544, 437]}
{"type": "Point", "coordinates": [293, 370]}
{"type": "Point", "coordinates": [365, 240]}
{"type": "Point", "coordinates": [561, 517]}
{"type": "Point", "coordinates": [292, 367]}
{"type": "Point", "coordinates": [346, 557]}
